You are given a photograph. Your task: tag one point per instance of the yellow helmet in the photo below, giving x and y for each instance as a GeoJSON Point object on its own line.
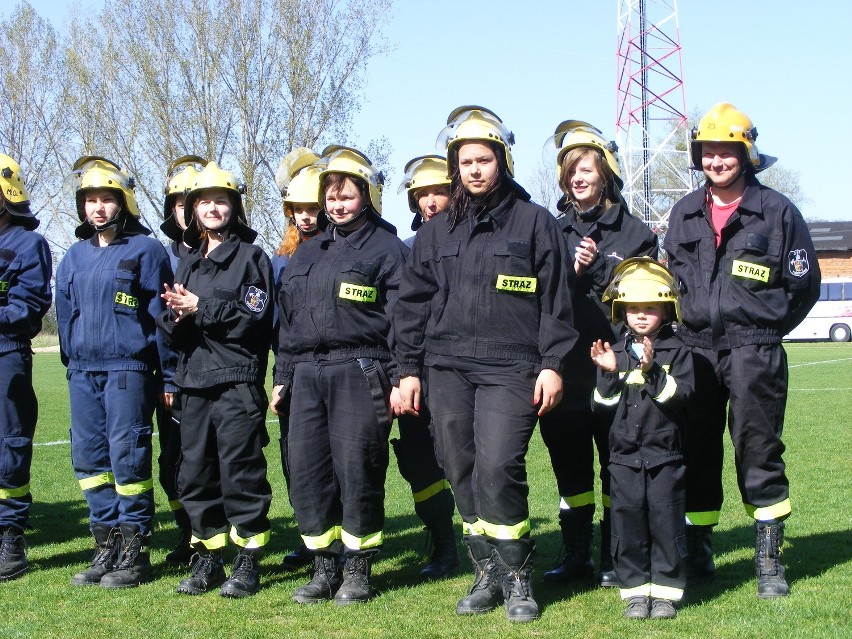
{"type": "Point", "coordinates": [298, 178]}
{"type": "Point", "coordinates": [179, 177]}
{"type": "Point", "coordinates": [348, 161]}
{"type": "Point", "coordinates": [469, 123]}
{"type": "Point", "coordinates": [641, 279]}
{"type": "Point", "coordinates": [426, 170]}
{"type": "Point", "coordinates": [214, 177]}
{"type": "Point", "coordinates": [571, 134]}
{"type": "Point", "coordinates": [11, 181]}
{"type": "Point", "coordinates": [96, 172]}
{"type": "Point", "coordinates": [724, 123]}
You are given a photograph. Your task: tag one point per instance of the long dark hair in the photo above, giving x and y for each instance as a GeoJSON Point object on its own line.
{"type": "Point", "coordinates": [462, 203]}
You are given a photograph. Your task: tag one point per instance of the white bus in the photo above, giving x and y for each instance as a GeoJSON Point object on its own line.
{"type": "Point", "coordinates": [831, 316]}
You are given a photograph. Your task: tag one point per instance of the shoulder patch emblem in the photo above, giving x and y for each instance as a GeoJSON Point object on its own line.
{"type": "Point", "coordinates": [255, 299]}
{"type": "Point", "coordinates": [798, 262]}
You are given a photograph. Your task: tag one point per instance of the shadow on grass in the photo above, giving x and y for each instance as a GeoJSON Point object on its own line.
{"type": "Point", "coordinates": [805, 557]}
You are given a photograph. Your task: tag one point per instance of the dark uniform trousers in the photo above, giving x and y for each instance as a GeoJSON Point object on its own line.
{"type": "Point", "coordinates": [18, 416]}
{"type": "Point", "coordinates": [419, 466]}
{"type": "Point", "coordinates": [222, 476]}
{"type": "Point", "coordinates": [337, 454]}
{"type": "Point", "coordinates": [168, 462]}
{"type": "Point", "coordinates": [111, 426]}
{"type": "Point", "coordinates": [483, 423]}
{"type": "Point", "coordinates": [648, 514]}
{"type": "Point", "coordinates": [571, 432]}
{"type": "Point", "coordinates": [751, 382]}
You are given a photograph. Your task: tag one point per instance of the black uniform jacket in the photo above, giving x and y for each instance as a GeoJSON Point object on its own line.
{"type": "Point", "coordinates": [227, 340]}
{"type": "Point", "coordinates": [493, 288]}
{"type": "Point", "coordinates": [618, 236]}
{"type": "Point", "coordinates": [648, 409]}
{"type": "Point", "coordinates": [761, 281]}
{"type": "Point", "coordinates": [337, 298]}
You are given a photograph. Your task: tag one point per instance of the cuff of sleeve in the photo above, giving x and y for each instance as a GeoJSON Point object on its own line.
{"type": "Point", "coordinates": [408, 370]}
{"type": "Point", "coordinates": [553, 363]}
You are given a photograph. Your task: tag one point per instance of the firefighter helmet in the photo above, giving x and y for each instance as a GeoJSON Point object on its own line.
{"type": "Point", "coordinates": [348, 161]}
{"type": "Point", "coordinates": [724, 123]}
{"type": "Point", "coordinates": [11, 181]}
{"type": "Point", "coordinates": [96, 172]}
{"type": "Point", "coordinates": [179, 178]}
{"type": "Point", "coordinates": [214, 177]}
{"type": "Point", "coordinates": [297, 177]}
{"type": "Point", "coordinates": [641, 279]}
{"type": "Point", "coordinates": [426, 170]}
{"type": "Point", "coordinates": [15, 197]}
{"type": "Point", "coordinates": [571, 134]}
{"type": "Point", "coordinates": [471, 123]}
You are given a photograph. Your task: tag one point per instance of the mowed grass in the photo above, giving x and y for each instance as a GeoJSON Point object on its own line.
{"type": "Point", "coordinates": [818, 435]}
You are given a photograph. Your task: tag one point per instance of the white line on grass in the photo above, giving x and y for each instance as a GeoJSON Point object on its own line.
{"type": "Point", "coordinates": [825, 361]}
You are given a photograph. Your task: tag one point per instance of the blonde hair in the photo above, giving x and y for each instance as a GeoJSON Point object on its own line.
{"type": "Point", "coordinates": [575, 155]}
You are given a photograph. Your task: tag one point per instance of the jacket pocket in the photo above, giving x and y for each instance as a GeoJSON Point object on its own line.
{"type": "Point", "coordinates": [15, 456]}
{"type": "Point", "coordinates": [357, 285]}
{"type": "Point", "coordinates": [294, 286]}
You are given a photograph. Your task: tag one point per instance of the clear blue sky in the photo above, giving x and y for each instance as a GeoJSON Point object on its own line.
{"type": "Point", "coordinates": [538, 62]}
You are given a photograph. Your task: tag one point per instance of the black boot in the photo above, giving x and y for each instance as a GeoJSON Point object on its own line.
{"type": "Point", "coordinates": [486, 593]}
{"type": "Point", "coordinates": [576, 525]}
{"type": "Point", "coordinates": [298, 559]}
{"type": "Point", "coordinates": [767, 560]}
{"type": "Point", "coordinates": [108, 543]}
{"type": "Point", "coordinates": [326, 578]}
{"type": "Point", "coordinates": [445, 555]}
{"type": "Point", "coordinates": [517, 559]}
{"type": "Point", "coordinates": [356, 587]}
{"type": "Point", "coordinates": [245, 578]}
{"type": "Point", "coordinates": [207, 571]}
{"type": "Point", "coordinates": [698, 565]}
{"type": "Point", "coordinates": [13, 554]}
{"type": "Point", "coordinates": [134, 563]}
{"type": "Point", "coordinates": [182, 552]}
{"type": "Point", "coordinates": [606, 574]}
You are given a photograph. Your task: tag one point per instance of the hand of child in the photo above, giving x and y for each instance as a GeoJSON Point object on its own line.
{"type": "Point", "coordinates": [603, 356]}
{"type": "Point", "coordinates": [647, 354]}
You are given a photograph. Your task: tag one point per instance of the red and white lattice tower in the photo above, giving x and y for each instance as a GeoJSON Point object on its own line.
{"type": "Point", "coordinates": [652, 132]}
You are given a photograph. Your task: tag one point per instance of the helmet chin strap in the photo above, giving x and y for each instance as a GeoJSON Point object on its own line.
{"type": "Point", "coordinates": [113, 223]}
{"type": "Point", "coordinates": [343, 227]}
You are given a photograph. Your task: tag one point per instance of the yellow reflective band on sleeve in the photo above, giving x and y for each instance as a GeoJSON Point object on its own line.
{"type": "Point", "coordinates": [638, 591]}
{"type": "Point", "coordinates": [575, 501]}
{"type": "Point", "coordinates": [666, 592]}
{"type": "Point", "coordinates": [135, 489]}
{"type": "Point", "coordinates": [430, 491]}
{"type": "Point", "coordinates": [516, 284]}
{"type": "Point", "coordinates": [636, 376]}
{"type": "Point", "coordinates": [323, 541]}
{"type": "Point", "coordinates": [605, 500]}
{"type": "Point", "coordinates": [126, 300]}
{"type": "Point", "coordinates": [95, 481]}
{"type": "Point", "coordinates": [12, 493]}
{"type": "Point", "coordinates": [668, 390]}
{"type": "Point", "coordinates": [175, 505]}
{"type": "Point", "coordinates": [606, 401]}
{"type": "Point", "coordinates": [781, 510]}
{"type": "Point", "coordinates": [362, 543]}
{"type": "Point", "coordinates": [750, 271]}
{"type": "Point", "coordinates": [255, 541]}
{"type": "Point", "coordinates": [705, 518]}
{"type": "Point", "coordinates": [216, 542]}
{"type": "Point", "coordinates": [501, 531]}
{"type": "Point", "coordinates": [358, 293]}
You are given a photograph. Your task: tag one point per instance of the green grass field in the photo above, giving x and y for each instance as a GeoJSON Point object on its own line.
{"type": "Point", "coordinates": [818, 435]}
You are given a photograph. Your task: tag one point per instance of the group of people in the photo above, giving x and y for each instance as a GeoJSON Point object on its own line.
{"type": "Point", "coordinates": [496, 315]}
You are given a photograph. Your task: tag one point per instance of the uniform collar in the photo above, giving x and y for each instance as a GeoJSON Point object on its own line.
{"type": "Point", "coordinates": [751, 202]}
{"type": "Point", "coordinates": [224, 251]}
{"type": "Point", "coordinates": [356, 239]}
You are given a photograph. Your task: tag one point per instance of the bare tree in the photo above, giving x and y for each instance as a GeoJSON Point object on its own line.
{"type": "Point", "coordinates": [237, 82]}
{"type": "Point", "coordinates": [33, 107]}
{"type": "Point", "coordinates": [544, 187]}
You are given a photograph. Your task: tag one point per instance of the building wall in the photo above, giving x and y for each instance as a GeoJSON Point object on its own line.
{"type": "Point", "coordinates": [835, 263]}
